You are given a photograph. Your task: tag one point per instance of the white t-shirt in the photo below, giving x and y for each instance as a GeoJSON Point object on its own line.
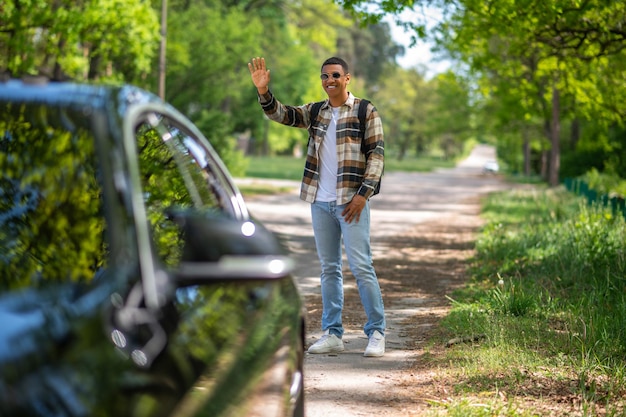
{"type": "Point", "coordinates": [327, 190]}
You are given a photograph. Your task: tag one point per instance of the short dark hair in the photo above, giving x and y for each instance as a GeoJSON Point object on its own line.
{"type": "Point", "coordinates": [337, 61]}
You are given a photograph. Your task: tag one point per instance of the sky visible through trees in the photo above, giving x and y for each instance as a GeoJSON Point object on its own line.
{"type": "Point", "coordinates": [419, 55]}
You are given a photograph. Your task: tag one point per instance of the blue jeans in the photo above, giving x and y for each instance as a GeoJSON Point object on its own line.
{"type": "Point", "coordinates": [328, 227]}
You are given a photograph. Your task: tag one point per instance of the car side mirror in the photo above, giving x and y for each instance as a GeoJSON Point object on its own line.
{"type": "Point", "coordinates": [219, 247]}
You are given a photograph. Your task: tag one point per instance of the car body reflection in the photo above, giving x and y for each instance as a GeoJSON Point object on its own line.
{"type": "Point", "coordinates": [133, 281]}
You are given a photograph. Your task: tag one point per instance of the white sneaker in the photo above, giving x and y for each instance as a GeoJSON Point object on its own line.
{"type": "Point", "coordinates": [328, 343]}
{"type": "Point", "coordinates": [376, 346]}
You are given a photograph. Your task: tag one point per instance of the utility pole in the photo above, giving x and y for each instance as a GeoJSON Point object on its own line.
{"type": "Point", "coordinates": [162, 49]}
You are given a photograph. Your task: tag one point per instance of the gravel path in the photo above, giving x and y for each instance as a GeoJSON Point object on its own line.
{"type": "Point", "coordinates": [423, 228]}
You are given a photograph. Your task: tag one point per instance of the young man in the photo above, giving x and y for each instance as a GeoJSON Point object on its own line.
{"type": "Point", "coordinates": [342, 171]}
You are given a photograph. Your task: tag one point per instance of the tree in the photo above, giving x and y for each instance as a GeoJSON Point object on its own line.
{"type": "Point", "coordinates": [565, 39]}
{"type": "Point", "coordinates": [402, 99]}
{"type": "Point", "coordinates": [95, 40]}
{"type": "Point", "coordinates": [39, 210]}
{"type": "Point", "coordinates": [370, 50]}
{"type": "Point", "coordinates": [495, 38]}
{"type": "Point", "coordinates": [450, 113]}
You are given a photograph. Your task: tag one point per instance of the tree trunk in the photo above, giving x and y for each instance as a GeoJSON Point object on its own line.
{"type": "Point", "coordinates": [420, 145]}
{"type": "Point", "coordinates": [544, 165]}
{"type": "Point", "coordinates": [575, 134]}
{"type": "Point", "coordinates": [57, 72]}
{"type": "Point", "coordinates": [555, 134]}
{"type": "Point", "coordinates": [544, 152]}
{"type": "Point", "coordinates": [94, 63]}
{"type": "Point", "coordinates": [402, 151]}
{"type": "Point", "coordinates": [162, 47]}
{"type": "Point", "coordinates": [263, 150]}
{"type": "Point", "coordinates": [526, 150]}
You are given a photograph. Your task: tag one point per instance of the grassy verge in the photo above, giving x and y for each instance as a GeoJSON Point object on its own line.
{"type": "Point", "coordinates": [547, 304]}
{"type": "Point", "coordinates": [290, 168]}
{"type": "Point", "coordinates": [276, 167]}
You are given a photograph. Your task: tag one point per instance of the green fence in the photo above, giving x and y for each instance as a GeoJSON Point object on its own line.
{"type": "Point", "coordinates": [580, 187]}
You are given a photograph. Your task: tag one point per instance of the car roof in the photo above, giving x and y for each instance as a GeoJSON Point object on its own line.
{"type": "Point", "coordinates": [62, 94]}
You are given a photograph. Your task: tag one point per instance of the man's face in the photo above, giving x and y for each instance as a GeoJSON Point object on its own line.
{"type": "Point", "coordinates": [335, 81]}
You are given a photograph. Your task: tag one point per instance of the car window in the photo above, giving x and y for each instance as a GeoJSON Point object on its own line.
{"type": "Point", "coordinates": [51, 216]}
{"type": "Point", "coordinates": [176, 174]}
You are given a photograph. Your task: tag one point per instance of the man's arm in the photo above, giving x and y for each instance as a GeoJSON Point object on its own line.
{"type": "Point", "coordinates": [375, 146]}
{"type": "Point", "coordinates": [276, 111]}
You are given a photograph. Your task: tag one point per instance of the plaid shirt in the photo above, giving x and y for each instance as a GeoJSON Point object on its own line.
{"type": "Point", "coordinates": [356, 174]}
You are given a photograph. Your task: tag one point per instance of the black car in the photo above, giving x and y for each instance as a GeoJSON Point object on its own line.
{"type": "Point", "coordinates": [133, 280]}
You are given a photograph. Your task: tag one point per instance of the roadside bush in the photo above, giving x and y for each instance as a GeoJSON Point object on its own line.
{"type": "Point", "coordinates": [547, 294]}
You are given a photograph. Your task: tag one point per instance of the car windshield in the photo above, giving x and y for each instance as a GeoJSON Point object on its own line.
{"type": "Point", "coordinates": [44, 224]}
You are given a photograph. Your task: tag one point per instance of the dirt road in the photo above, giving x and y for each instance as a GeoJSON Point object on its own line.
{"type": "Point", "coordinates": [423, 228]}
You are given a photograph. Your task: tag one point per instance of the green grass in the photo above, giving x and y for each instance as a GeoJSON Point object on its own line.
{"type": "Point", "coordinates": [250, 190]}
{"type": "Point", "coordinates": [417, 164]}
{"type": "Point", "coordinates": [548, 297]}
{"type": "Point", "coordinates": [290, 168]}
{"type": "Point", "coordinates": [277, 167]}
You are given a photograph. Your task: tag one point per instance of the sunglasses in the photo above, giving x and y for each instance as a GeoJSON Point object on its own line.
{"type": "Point", "coordinates": [326, 76]}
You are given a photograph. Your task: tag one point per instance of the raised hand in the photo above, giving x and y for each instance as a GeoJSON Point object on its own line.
{"type": "Point", "coordinates": [260, 74]}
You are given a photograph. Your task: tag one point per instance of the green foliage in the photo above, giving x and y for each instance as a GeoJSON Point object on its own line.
{"type": "Point", "coordinates": [112, 40]}
{"type": "Point", "coordinates": [512, 300]}
{"type": "Point", "coordinates": [600, 147]}
{"type": "Point", "coordinates": [211, 123]}
{"type": "Point", "coordinates": [46, 225]}
{"type": "Point", "coordinates": [512, 57]}
{"type": "Point", "coordinates": [206, 62]}
{"type": "Point", "coordinates": [482, 408]}
{"type": "Point", "coordinates": [315, 24]}
{"type": "Point", "coordinates": [403, 102]}
{"type": "Point", "coordinates": [604, 183]}
{"type": "Point", "coordinates": [123, 34]}
{"type": "Point", "coordinates": [450, 115]}
{"type": "Point", "coordinates": [522, 56]}
{"type": "Point", "coordinates": [576, 164]}
{"type": "Point", "coordinates": [370, 51]}
{"type": "Point", "coordinates": [206, 73]}
{"type": "Point", "coordinates": [547, 297]}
